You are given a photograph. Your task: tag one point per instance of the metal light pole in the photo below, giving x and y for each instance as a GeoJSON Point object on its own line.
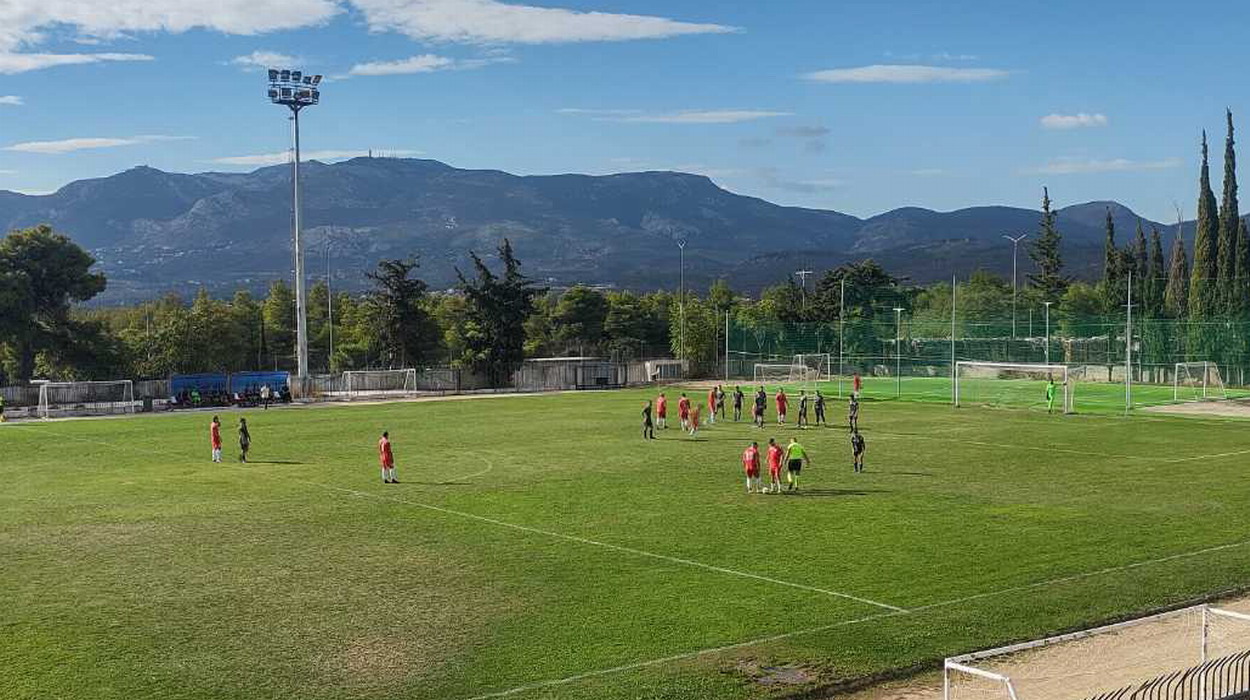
{"type": "Point", "coordinates": [802, 275]}
{"type": "Point", "coordinates": [898, 352]}
{"type": "Point", "coordinates": [681, 305]}
{"type": "Point", "coordinates": [294, 90]}
{"type": "Point", "coordinates": [1015, 247]}
{"type": "Point", "coordinates": [1047, 304]}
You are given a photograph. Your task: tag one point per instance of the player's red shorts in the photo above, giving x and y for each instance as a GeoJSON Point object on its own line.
{"type": "Point", "coordinates": [774, 471]}
{"type": "Point", "coordinates": [753, 472]}
{"type": "Point", "coordinates": [661, 412]}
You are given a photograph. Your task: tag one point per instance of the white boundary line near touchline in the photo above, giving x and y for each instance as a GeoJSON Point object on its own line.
{"type": "Point", "coordinates": [843, 623]}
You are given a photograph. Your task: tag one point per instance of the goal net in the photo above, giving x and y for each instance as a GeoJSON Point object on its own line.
{"type": "Point", "coordinates": [820, 364]}
{"type": "Point", "coordinates": [64, 399]}
{"type": "Point", "coordinates": [1196, 653]}
{"type": "Point", "coordinates": [1013, 385]}
{"type": "Point", "coordinates": [785, 374]}
{"type": "Point", "coordinates": [1197, 381]}
{"type": "Point", "coordinates": [379, 383]}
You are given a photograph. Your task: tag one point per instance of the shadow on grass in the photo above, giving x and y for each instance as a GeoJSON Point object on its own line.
{"type": "Point", "coordinates": [275, 461]}
{"type": "Point", "coordinates": [831, 493]}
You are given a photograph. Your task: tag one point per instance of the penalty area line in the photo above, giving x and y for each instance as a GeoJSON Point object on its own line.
{"type": "Point", "coordinates": [607, 545]}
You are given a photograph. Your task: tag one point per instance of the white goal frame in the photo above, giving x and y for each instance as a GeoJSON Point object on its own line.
{"type": "Point", "coordinates": [964, 664]}
{"type": "Point", "coordinates": [47, 389]}
{"type": "Point", "coordinates": [354, 383]}
{"type": "Point", "coordinates": [1208, 369]}
{"type": "Point", "coordinates": [1059, 372]}
{"type": "Point", "coordinates": [794, 374]}
{"type": "Point", "coordinates": [822, 362]}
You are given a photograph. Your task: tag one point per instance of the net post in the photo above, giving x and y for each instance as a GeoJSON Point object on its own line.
{"type": "Point", "coordinates": [1206, 622]}
{"type": "Point", "coordinates": [946, 682]}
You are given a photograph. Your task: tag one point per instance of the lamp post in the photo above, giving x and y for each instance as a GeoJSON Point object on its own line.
{"type": "Point", "coordinates": [1015, 247]}
{"type": "Point", "coordinates": [329, 309]}
{"type": "Point", "coordinates": [1047, 304]}
{"type": "Point", "coordinates": [294, 90]}
{"type": "Point", "coordinates": [681, 305]}
{"type": "Point", "coordinates": [898, 352]}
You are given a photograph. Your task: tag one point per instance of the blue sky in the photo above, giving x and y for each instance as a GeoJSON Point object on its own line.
{"type": "Point", "coordinates": [856, 106]}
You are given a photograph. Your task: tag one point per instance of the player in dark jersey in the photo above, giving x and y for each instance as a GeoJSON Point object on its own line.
{"type": "Point", "coordinates": [857, 450]}
{"type": "Point", "coordinates": [852, 413]}
{"type": "Point", "coordinates": [820, 408]}
{"type": "Point", "coordinates": [761, 401]}
{"type": "Point", "coordinates": [720, 402]}
{"type": "Point", "coordinates": [648, 426]}
{"type": "Point", "coordinates": [803, 401]}
{"type": "Point", "coordinates": [738, 398]}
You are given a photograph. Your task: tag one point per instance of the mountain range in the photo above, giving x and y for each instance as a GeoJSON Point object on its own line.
{"type": "Point", "coordinates": [155, 231]}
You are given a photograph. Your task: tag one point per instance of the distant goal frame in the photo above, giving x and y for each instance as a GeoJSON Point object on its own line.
{"type": "Point", "coordinates": [409, 387]}
{"type": "Point", "coordinates": [1208, 367]}
{"type": "Point", "coordinates": [126, 402]}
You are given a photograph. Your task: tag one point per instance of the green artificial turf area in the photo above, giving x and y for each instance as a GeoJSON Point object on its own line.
{"type": "Point", "coordinates": [539, 545]}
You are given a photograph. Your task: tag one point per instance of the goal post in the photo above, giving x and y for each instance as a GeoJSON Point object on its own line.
{"type": "Point", "coordinates": [380, 382]}
{"type": "Point", "coordinates": [101, 398]}
{"type": "Point", "coordinates": [1197, 381]}
{"type": "Point", "coordinates": [1199, 653]}
{"type": "Point", "coordinates": [777, 373]}
{"type": "Point", "coordinates": [1021, 385]}
{"type": "Point", "coordinates": [820, 364]}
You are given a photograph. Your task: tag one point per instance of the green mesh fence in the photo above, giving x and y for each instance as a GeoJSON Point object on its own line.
{"type": "Point", "coordinates": [909, 358]}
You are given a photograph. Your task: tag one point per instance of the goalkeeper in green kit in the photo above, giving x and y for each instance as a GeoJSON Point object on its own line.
{"type": "Point", "coordinates": [1050, 395]}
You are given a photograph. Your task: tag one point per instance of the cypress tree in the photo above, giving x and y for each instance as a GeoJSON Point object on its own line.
{"type": "Point", "coordinates": [1241, 288]}
{"type": "Point", "coordinates": [1176, 294]}
{"type": "Point", "coordinates": [1110, 255]}
{"type": "Point", "coordinates": [1229, 263]}
{"type": "Point", "coordinates": [1205, 273]}
{"type": "Point", "coordinates": [1141, 265]}
{"type": "Point", "coordinates": [1044, 251]}
{"type": "Point", "coordinates": [1155, 275]}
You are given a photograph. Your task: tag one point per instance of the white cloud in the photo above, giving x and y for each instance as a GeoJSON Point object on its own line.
{"type": "Point", "coordinates": [24, 23]}
{"type": "Point", "coordinates": [12, 100]}
{"type": "Point", "coordinates": [1079, 120]}
{"type": "Point", "coordinates": [716, 116]}
{"type": "Point", "coordinates": [425, 63]}
{"type": "Point", "coordinates": [279, 157]}
{"type": "Point", "coordinates": [906, 74]}
{"type": "Point", "coordinates": [259, 60]}
{"type": "Point", "coordinates": [11, 63]}
{"type": "Point", "coordinates": [489, 21]}
{"type": "Point", "coordinates": [88, 143]}
{"type": "Point", "coordinates": [1073, 166]}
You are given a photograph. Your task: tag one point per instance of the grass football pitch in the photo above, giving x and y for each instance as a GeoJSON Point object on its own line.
{"type": "Point", "coordinates": [538, 548]}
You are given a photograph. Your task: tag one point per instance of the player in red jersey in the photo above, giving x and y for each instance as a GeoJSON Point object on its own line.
{"type": "Point", "coordinates": [782, 402]}
{"type": "Point", "coordinates": [711, 406]}
{"type": "Point", "coordinates": [694, 420]}
{"type": "Point", "coordinates": [661, 411]}
{"type": "Point", "coordinates": [751, 464]}
{"type": "Point", "coordinates": [387, 457]}
{"type": "Point", "coordinates": [683, 411]}
{"type": "Point", "coordinates": [775, 454]}
{"type": "Point", "coordinates": [214, 438]}
{"type": "Point", "coordinates": [857, 385]}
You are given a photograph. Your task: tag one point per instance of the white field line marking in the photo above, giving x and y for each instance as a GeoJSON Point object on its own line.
{"type": "Point", "coordinates": [679, 657]}
{"type": "Point", "coordinates": [606, 545]}
{"type": "Point", "coordinates": [1215, 456]}
{"type": "Point", "coordinates": [823, 628]}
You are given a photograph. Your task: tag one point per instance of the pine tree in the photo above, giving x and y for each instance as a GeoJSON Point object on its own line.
{"type": "Point", "coordinates": [1155, 282]}
{"type": "Point", "coordinates": [1229, 263]}
{"type": "Point", "coordinates": [1176, 294]}
{"type": "Point", "coordinates": [1205, 273]}
{"type": "Point", "coordinates": [1045, 253]}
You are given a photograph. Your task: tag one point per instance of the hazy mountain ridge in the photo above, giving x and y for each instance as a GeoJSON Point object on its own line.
{"type": "Point", "coordinates": [154, 231]}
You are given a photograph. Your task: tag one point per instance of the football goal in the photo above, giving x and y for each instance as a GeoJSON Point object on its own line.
{"type": "Point", "coordinates": [1197, 381]}
{"type": "Point", "coordinates": [1195, 653]}
{"type": "Point", "coordinates": [1013, 385]}
{"type": "Point", "coordinates": [379, 383]}
{"type": "Point", "coordinates": [821, 364]}
{"type": "Point", "coordinates": [766, 373]}
{"type": "Point", "coordinates": [62, 399]}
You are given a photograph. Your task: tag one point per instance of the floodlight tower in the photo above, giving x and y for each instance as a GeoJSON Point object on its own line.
{"type": "Point", "coordinates": [294, 90]}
